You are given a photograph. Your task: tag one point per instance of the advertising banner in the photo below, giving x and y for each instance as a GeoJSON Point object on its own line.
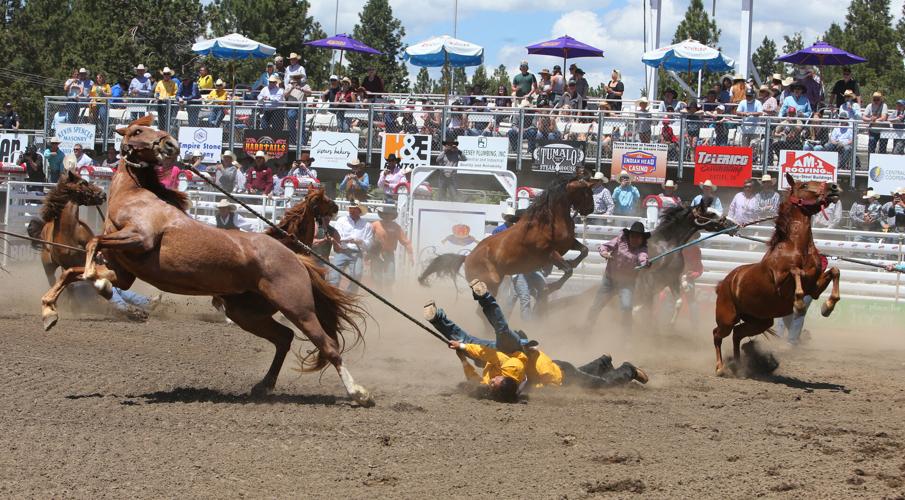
{"type": "Point", "coordinates": [208, 140]}
{"type": "Point", "coordinates": [489, 153]}
{"type": "Point", "coordinates": [11, 145]}
{"type": "Point", "coordinates": [333, 149]}
{"type": "Point", "coordinates": [725, 166]}
{"type": "Point", "coordinates": [273, 142]}
{"type": "Point", "coordinates": [644, 162]}
{"type": "Point", "coordinates": [71, 134]}
{"type": "Point", "coordinates": [807, 166]}
{"type": "Point", "coordinates": [887, 173]}
{"type": "Point", "coordinates": [560, 157]}
{"type": "Point", "coordinates": [413, 150]}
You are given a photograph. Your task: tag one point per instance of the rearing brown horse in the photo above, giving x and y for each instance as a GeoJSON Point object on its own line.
{"type": "Point", "coordinates": [540, 238]}
{"type": "Point", "coordinates": [751, 296]}
{"type": "Point", "coordinates": [148, 235]}
{"type": "Point", "coordinates": [299, 221]}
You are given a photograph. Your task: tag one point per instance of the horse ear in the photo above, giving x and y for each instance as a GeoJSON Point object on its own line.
{"type": "Point", "coordinates": [122, 131]}
{"type": "Point", "coordinates": [144, 121]}
{"type": "Point", "coordinates": [790, 180]}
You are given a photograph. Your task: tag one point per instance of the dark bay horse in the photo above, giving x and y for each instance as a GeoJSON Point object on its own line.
{"type": "Point", "coordinates": [539, 239]}
{"type": "Point", "coordinates": [677, 226]}
{"type": "Point", "coordinates": [59, 222]}
{"type": "Point", "coordinates": [751, 296]}
{"type": "Point", "coordinates": [299, 221]}
{"type": "Point", "coordinates": [148, 235]}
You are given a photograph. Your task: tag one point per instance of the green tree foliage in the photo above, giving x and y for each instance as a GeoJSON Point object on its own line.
{"type": "Point", "coordinates": [423, 82]}
{"type": "Point", "coordinates": [500, 78]}
{"type": "Point", "coordinates": [764, 59]}
{"type": "Point", "coordinates": [791, 43]}
{"type": "Point", "coordinates": [480, 80]}
{"type": "Point", "coordinates": [696, 25]}
{"type": "Point", "coordinates": [378, 28]}
{"type": "Point", "coordinates": [284, 24]}
{"type": "Point", "coordinates": [459, 82]}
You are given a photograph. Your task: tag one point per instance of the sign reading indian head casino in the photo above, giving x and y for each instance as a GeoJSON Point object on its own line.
{"type": "Point", "coordinates": [644, 162]}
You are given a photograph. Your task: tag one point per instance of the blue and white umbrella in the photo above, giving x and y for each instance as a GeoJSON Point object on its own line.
{"type": "Point", "coordinates": [440, 50]}
{"type": "Point", "coordinates": [233, 46]}
{"type": "Point", "coordinates": [689, 56]}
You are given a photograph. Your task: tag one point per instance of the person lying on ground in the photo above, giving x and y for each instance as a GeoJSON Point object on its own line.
{"type": "Point", "coordinates": [512, 361]}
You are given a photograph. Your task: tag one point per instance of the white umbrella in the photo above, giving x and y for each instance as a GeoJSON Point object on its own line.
{"type": "Point", "coordinates": [442, 50]}
{"type": "Point", "coordinates": [231, 47]}
{"type": "Point", "coordinates": [689, 56]}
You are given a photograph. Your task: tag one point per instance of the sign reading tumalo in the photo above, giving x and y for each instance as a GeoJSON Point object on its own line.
{"type": "Point", "coordinates": [562, 157]}
{"type": "Point", "coordinates": [727, 166]}
{"type": "Point", "coordinates": [807, 166]}
{"type": "Point", "coordinates": [644, 162]}
{"type": "Point", "coordinates": [273, 142]}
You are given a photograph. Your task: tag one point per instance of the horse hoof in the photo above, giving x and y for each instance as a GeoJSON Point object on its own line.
{"type": "Point", "coordinates": [104, 288]}
{"type": "Point", "coordinates": [261, 389]}
{"type": "Point", "coordinates": [799, 306]}
{"type": "Point", "coordinates": [361, 396]}
{"type": "Point", "coordinates": [50, 321]}
{"type": "Point", "coordinates": [826, 309]}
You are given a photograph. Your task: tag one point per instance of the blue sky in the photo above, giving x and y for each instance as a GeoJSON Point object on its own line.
{"type": "Point", "coordinates": [505, 27]}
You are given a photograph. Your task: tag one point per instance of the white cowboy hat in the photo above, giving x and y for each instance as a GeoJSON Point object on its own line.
{"type": "Point", "coordinates": [598, 176]}
{"type": "Point", "coordinates": [224, 203]}
{"type": "Point", "coordinates": [219, 83]}
{"type": "Point", "coordinates": [510, 211]}
{"type": "Point", "coordinates": [709, 184]}
{"type": "Point", "coordinates": [166, 71]}
{"type": "Point", "coordinates": [293, 56]}
{"type": "Point", "coordinates": [643, 99]}
{"type": "Point", "coordinates": [140, 67]}
{"type": "Point", "coordinates": [83, 70]}
{"type": "Point", "coordinates": [358, 205]}
{"type": "Point", "coordinates": [273, 78]}
{"type": "Point", "coordinates": [260, 154]}
{"type": "Point", "coordinates": [669, 184]}
{"type": "Point", "coordinates": [354, 163]}
{"type": "Point", "coordinates": [55, 140]}
{"type": "Point", "coordinates": [228, 152]}
{"type": "Point", "coordinates": [766, 178]}
{"type": "Point", "coordinates": [870, 194]}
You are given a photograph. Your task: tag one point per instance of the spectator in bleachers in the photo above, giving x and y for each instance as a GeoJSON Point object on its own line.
{"type": "Point", "coordinates": [217, 100]}
{"type": "Point", "coordinates": [738, 89]}
{"type": "Point", "coordinates": [524, 84]}
{"type": "Point", "coordinates": [642, 120]}
{"type": "Point", "coordinates": [10, 119]}
{"type": "Point", "coordinates": [744, 207]}
{"type": "Point", "coordinates": [710, 100]}
{"type": "Point", "coordinates": [227, 172]}
{"type": "Point", "coordinates": [189, 99]}
{"type": "Point", "coordinates": [788, 134]}
{"type": "Point", "coordinates": [118, 91]}
{"type": "Point", "coordinates": [264, 79]}
{"type": "Point", "coordinates": [767, 101]}
{"type": "Point", "coordinates": [786, 90]}
{"type": "Point", "coordinates": [557, 85]}
{"type": "Point", "coordinates": [768, 198]}
{"type": "Point", "coordinates": [372, 82]}
{"type": "Point", "coordinates": [844, 86]}
{"type": "Point", "coordinates": [725, 90]}
{"type": "Point", "coordinates": [840, 140]}
{"type": "Point", "coordinates": [502, 98]}
{"type": "Point", "coordinates": [897, 121]}
{"type": "Point", "coordinates": [603, 200]}
{"type": "Point", "coordinates": [581, 89]}
{"type": "Point", "coordinates": [875, 115]}
{"type": "Point", "coordinates": [796, 101]}
{"type": "Point", "coordinates": [776, 87]}
{"type": "Point", "coordinates": [294, 68]}
{"type": "Point", "coordinates": [332, 90]}
{"type": "Point", "coordinates": [53, 158]}
{"type": "Point", "coordinates": [81, 158]}
{"type": "Point", "coordinates": [279, 67]}
{"type": "Point", "coordinates": [895, 210]}
{"type": "Point", "coordinates": [850, 105]}
{"type": "Point", "coordinates": [614, 90]}
{"type": "Point", "coordinates": [345, 98]}
{"type": "Point", "coordinates": [140, 86]}
{"type": "Point", "coordinates": [817, 134]}
{"type": "Point", "coordinates": [297, 92]}
{"type": "Point", "coordinates": [409, 126]}
{"type": "Point", "coordinates": [259, 180]}
{"type": "Point", "coordinates": [708, 191]}
{"type": "Point", "coordinates": [813, 88]}
{"type": "Point", "coordinates": [750, 109]}
{"type": "Point", "coordinates": [670, 104]}
{"type": "Point", "coordinates": [206, 83]}
{"type": "Point", "coordinates": [538, 125]}
{"type": "Point", "coordinates": [165, 91]}
{"type": "Point", "coordinates": [569, 99]}
{"type": "Point", "coordinates": [626, 198]}
{"type": "Point", "coordinates": [669, 198]}
{"type": "Point", "coordinates": [71, 86]}
{"type": "Point", "coordinates": [721, 123]}
{"type": "Point", "coordinates": [668, 136]}
{"type": "Point", "coordinates": [865, 215]}
{"type": "Point", "coordinates": [100, 93]}
{"type": "Point", "coordinates": [270, 98]}
{"type": "Point", "coordinates": [112, 159]}
{"type": "Point", "coordinates": [545, 85]}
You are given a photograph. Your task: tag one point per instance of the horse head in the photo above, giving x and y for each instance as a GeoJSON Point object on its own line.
{"type": "Point", "coordinates": [812, 196]}
{"type": "Point", "coordinates": [580, 195]}
{"type": "Point", "coordinates": [73, 188]}
{"type": "Point", "coordinates": [322, 207]}
{"type": "Point", "coordinates": [143, 146]}
{"type": "Point", "coordinates": [706, 218]}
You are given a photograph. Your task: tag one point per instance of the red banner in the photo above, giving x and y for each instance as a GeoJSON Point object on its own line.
{"type": "Point", "coordinates": [726, 166]}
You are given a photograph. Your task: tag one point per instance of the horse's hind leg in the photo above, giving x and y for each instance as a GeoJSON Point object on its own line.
{"type": "Point", "coordinates": [822, 282]}
{"type": "Point", "coordinates": [749, 328]}
{"type": "Point", "coordinates": [255, 315]}
{"type": "Point", "coordinates": [49, 300]}
{"type": "Point", "coordinates": [726, 317]}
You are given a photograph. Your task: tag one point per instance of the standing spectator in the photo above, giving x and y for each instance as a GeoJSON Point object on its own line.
{"type": "Point", "coordinates": [270, 98]}
{"type": "Point", "coordinates": [53, 158]}
{"type": "Point", "coordinates": [165, 91]}
{"type": "Point", "coordinates": [372, 82]}
{"type": "Point", "coordinates": [100, 94]}
{"type": "Point", "coordinates": [776, 86]}
{"type": "Point", "coordinates": [708, 191]}
{"type": "Point", "coordinates": [545, 87]}
{"type": "Point", "coordinates": [796, 101]}
{"type": "Point", "coordinates": [669, 198]}
{"type": "Point", "coordinates": [767, 101]}
{"type": "Point", "coordinates": [227, 172]}
{"type": "Point", "coordinates": [865, 215]}
{"type": "Point", "coordinates": [390, 178]}
{"type": "Point", "coordinates": [623, 254]}
{"type": "Point", "coordinates": [205, 81]}
{"type": "Point", "coordinates": [694, 120]}
{"type": "Point", "coordinates": [557, 85]}
{"type": "Point", "coordinates": [847, 83]}
{"type": "Point", "coordinates": [345, 98]}
{"type": "Point", "coordinates": [895, 209]}
{"type": "Point", "coordinates": [280, 68]}
{"type": "Point", "coordinates": [119, 90]}
{"type": "Point", "coordinates": [581, 88]}
{"type": "Point", "coordinates": [356, 184]}
{"type": "Point", "coordinates": [264, 79]}
{"type": "Point", "coordinates": [626, 197]}
{"type": "Point", "coordinates": [332, 90]}
{"type": "Point", "coordinates": [750, 110]}
{"type": "Point", "coordinates": [642, 120]}
{"type": "Point", "coordinates": [140, 87]}
{"type": "Point", "coordinates": [81, 159]}
{"type": "Point", "coordinates": [355, 237]}
{"type": "Point", "coordinates": [897, 121]}
{"type": "Point", "coordinates": [34, 167]}
{"type": "Point", "coordinates": [189, 98]}
{"type": "Point", "coordinates": [813, 88]}
{"type": "Point", "coordinates": [294, 68]}
{"type": "Point", "coordinates": [744, 207]}
{"type": "Point", "coordinates": [10, 119]}
{"type": "Point", "coordinates": [738, 89]}
{"type": "Point", "coordinates": [850, 105]}
{"type": "Point", "coordinates": [524, 84]}
{"type": "Point", "coordinates": [296, 94]}
{"type": "Point", "coordinates": [603, 200]}
{"type": "Point", "coordinates": [388, 235]}
{"type": "Point", "coordinates": [614, 90]}
{"type": "Point", "coordinates": [112, 159]}
{"type": "Point", "coordinates": [260, 178]}
{"type": "Point", "coordinates": [449, 157]}
{"type": "Point", "coordinates": [768, 198]}
{"type": "Point", "coordinates": [669, 104]}
{"type": "Point", "coordinates": [217, 100]}
{"type": "Point", "coordinates": [725, 92]}
{"type": "Point", "coordinates": [876, 115]}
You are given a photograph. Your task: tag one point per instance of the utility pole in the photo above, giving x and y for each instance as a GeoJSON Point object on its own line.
{"type": "Point", "coordinates": [335, 32]}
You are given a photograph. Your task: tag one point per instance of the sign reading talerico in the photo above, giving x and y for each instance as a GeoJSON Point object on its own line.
{"type": "Point", "coordinates": [725, 166]}
{"type": "Point", "coordinates": [558, 156]}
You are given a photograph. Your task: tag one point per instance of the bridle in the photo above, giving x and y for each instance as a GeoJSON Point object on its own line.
{"type": "Point", "coordinates": [811, 206]}
{"type": "Point", "coordinates": [128, 149]}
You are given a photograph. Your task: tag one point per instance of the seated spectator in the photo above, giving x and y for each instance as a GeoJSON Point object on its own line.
{"type": "Point", "coordinates": [797, 101]}
{"type": "Point", "coordinates": [539, 125]}
{"type": "Point", "coordinates": [264, 79]}
{"type": "Point", "coordinates": [817, 133]}
{"type": "Point", "coordinates": [767, 101]}
{"type": "Point", "coordinates": [332, 91]}
{"type": "Point", "coordinates": [708, 191]}
{"type": "Point", "coordinates": [725, 91]}
{"type": "Point", "coordinates": [850, 105]}
{"type": "Point", "coordinates": [669, 104]}
{"type": "Point", "coordinates": [788, 134]}
{"type": "Point", "coordinates": [206, 82]}
{"type": "Point", "coordinates": [626, 198]}
{"type": "Point", "coordinates": [840, 140]}
{"type": "Point", "coordinates": [217, 100]}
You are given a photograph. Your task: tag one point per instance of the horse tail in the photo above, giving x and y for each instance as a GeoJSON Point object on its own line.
{"type": "Point", "coordinates": [35, 228]}
{"type": "Point", "coordinates": [336, 311]}
{"type": "Point", "coordinates": [447, 264]}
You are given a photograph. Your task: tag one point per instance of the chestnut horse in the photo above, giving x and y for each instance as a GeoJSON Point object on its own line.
{"type": "Point", "coordinates": [60, 223]}
{"type": "Point", "coordinates": [299, 221]}
{"type": "Point", "coordinates": [537, 240]}
{"type": "Point", "coordinates": [751, 296]}
{"type": "Point", "coordinates": [149, 236]}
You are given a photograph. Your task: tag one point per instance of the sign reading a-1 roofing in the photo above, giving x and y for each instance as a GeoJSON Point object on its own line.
{"type": "Point", "coordinates": [644, 162]}
{"type": "Point", "coordinates": [807, 166]}
{"type": "Point", "coordinates": [558, 156]}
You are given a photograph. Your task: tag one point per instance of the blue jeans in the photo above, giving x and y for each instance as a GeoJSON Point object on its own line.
{"type": "Point", "coordinates": [507, 340]}
{"type": "Point", "coordinates": [292, 120]}
{"type": "Point", "coordinates": [793, 323]}
{"type": "Point", "coordinates": [527, 287]}
{"type": "Point", "coordinates": [215, 116]}
{"type": "Point", "coordinates": [272, 118]}
{"type": "Point", "coordinates": [122, 299]}
{"type": "Point", "coordinates": [608, 289]}
{"type": "Point", "coordinates": [352, 264]}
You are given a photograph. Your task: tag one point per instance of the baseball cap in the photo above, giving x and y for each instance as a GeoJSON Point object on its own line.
{"type": "Point", "coordinates": [333, 77]}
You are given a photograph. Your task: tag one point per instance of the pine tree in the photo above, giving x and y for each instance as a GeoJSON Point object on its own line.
{"type": "Point", "coordinates": [764, 59]}
{"type": "Point", "coordinates": [791, 44]}
{"type": "Point", "coordinates": [378, 28]}
{"type": "Point", "coordinates": [500, 79]}
{"type": "Point", "coordinates": [480, 80]}
{"type": "Point", "coordinates": [459, 82]}
{"type": "Point", "coordinates": [696, 25]}
{"type": "Point", "coordinates": [423, 82]}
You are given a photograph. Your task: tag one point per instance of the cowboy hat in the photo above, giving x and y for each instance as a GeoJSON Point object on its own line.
{"type": "Point", "coordinates": [764, 88]}
{"type": "Point", "coordinates": [224, 203]}
{"type": "Point", "coordinates": [166, 71]}
{"type": "Point", "coordinates": [55, 140]}
{"type": "Point", "coordinates": [637, 227]}
{"type": "Point", "coordinates": [624, 175]}
{"type": "Point", "coordinates": [766, 178]}
{"type": "Point", "coordinates": [708, 183]}
{"type": "Point", "coordinates": [777, 77]}
{"type": "Point", "coordinates": [669, 184]}
{"type": "Point", "coordinates": [219, 83]}
{"type": "Point", "coordinates": [228, 152]}
{"type": "Point", "coordinates": [848, 93]}
{"type": "Point", "coordinates": [598, 176]}
{"type": "Point", "coordinates": [141, 67]}
{"type": "Point", "coordinates": [509, 212]}
{"type": "Point", "coordinates": [293, 56]}
{"type": "Point", "coordinates": [355, 163]}
{"type": "Point", "coordinates": [358, 205]}
{"type": "Point", "coordinates": [643, 99]}
{"type": "Point", "coordinates": [544, 71]}
{"type": "Point", "coordinates": [260, 154]}
{"type": "Point", "coordinates": [392, 157]}
{"type": "Point", "coordinates": [453, 142]}
{"type": "Point", "coordinates": [788, 81]}
{"type": "Point", "coordinates": [737, 77]}
{"type": "Point", "coordinates": [876, 94]}
{"type": "Point", "coordinates": [273, 78]}
{"type": "Point", "coordinates": [870, 194]}
{"type": "Point", "coordinates": [83, 70]}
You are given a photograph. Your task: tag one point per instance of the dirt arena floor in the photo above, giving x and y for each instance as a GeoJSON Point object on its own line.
{"type": "Point", "coordinates": [101, 407]}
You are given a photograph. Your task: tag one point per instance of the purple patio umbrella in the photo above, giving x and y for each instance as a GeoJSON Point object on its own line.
{"type": "Point", "coordinates": [565, 47]}
{"type": "Point", "coordinates": [821, 54]}
{"type": "Point", "coordinates": [342, 43]}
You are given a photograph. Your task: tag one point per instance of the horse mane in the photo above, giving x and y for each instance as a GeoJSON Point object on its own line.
{"type": "Point", "coordinates": [783, 220]}
{"type": "Point", "coordinates": [670, 226]}
{"type": "Point", "coordinates": [292, 219]}
{"type": "Point", "coordinates": [54, 203]}
{"type": "Point", "coordinates": [147, 179]}
{"type": "Point", "coordinates": [542, 209]}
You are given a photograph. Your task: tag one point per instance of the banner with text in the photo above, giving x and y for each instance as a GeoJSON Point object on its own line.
{"type": "Point", "coordinates": [71, 134]}
{"type": "Point", "coordinates": [11, 145]}
{"type": "Point", "coordinates": [273, 142]}
{"type": "Point", "coordinates": [807, 166]}
{"type": "Point", "coordinates": [333, 149]}
{"type": "Point", "coordinates": [559, 157]}
{"type": "Point", "coordinates": [725, 166]}
{"type": "Point", "coordinates": [413, 150]}
{"type": "Point", "coordinates": [887, 173]}
{"type": "Point", "coordinates": [489, 153]}
{"type": "Point", "coordinates": [644, 162]}
{"type": "Point", "coordinates": [208, 140]}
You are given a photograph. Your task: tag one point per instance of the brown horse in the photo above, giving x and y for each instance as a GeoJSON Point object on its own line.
{"type": "Point", "coordinates": [60, 223]}
{"type": "Point", "coordinates": [299, 221]}
{"type": "Point", "coordinates": [148, 235]}
{"type": "Point", "coordinates": [751, 296]}
{"type": "Point", "coordinates": [537, 240]}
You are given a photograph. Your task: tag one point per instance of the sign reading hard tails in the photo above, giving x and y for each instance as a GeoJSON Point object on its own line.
{"type": "Point", "coordinates": [807, 166]}
{"type": "Point", "coordinates": [273, 142]}
{"type": "Point", "coordinates": [725, 166]}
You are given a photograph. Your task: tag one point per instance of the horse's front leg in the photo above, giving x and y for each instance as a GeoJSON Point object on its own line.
{"type": "Point", "coordinates": [566, 268]}
{"type": "Point", "coordinates": [582, 252]}
{"type": "Point", "coordinates": [49, 300]}
{"type": "Point", "coordinates": [799, 290]}
{"type": "Point", "coordinates": [127, 238]}
{"type": "Point", "coordinates": [831, 274]}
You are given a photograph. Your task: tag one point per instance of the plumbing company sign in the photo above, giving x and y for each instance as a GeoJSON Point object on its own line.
{"type": "Point", "coordinates": [808, 166]}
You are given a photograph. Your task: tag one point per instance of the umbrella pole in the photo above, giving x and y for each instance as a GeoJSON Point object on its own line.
{"type": "Point", "coordinates": [448, 75]}
{"type": "Point", "coordinates": [340, 60]}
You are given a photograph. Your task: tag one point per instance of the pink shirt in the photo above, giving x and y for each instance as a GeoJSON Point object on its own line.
{"type": "Point", "coordinates": [169, 179]}
{"type": "Point", "coordinates": [623, 260]}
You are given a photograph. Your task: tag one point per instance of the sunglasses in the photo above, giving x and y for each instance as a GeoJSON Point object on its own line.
{"type": "Point", "coordinates": [76, 149]}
